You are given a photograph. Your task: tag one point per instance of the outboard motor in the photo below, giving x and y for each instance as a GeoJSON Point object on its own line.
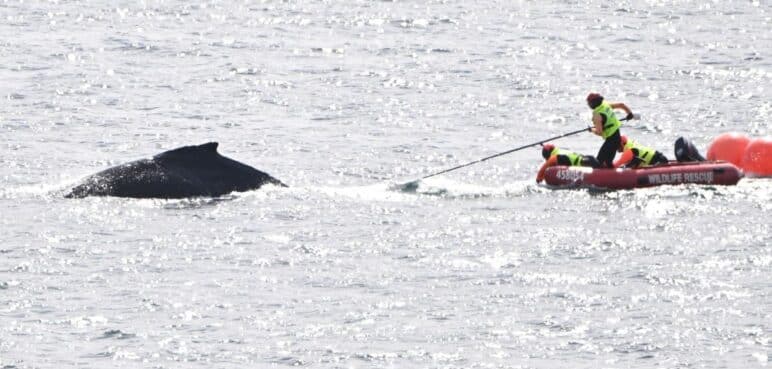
{"type": "Point", "coordinates": [685, 151]}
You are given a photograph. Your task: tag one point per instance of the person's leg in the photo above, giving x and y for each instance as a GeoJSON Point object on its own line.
{"type": "Point", "coordinates": [635, 163]}
{"type": "Point", "coordinates": [659, 158]}
{"type": "Point", "coordinates": [608, 150]}
{"type": "Point", "coordinates": [590, 161]}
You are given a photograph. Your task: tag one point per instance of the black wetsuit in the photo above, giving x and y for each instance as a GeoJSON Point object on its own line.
{"type": "Point", "coordinates": [609, 148]}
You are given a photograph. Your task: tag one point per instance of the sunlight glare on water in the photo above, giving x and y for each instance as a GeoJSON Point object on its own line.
{"type": "Point", "coordinates": [345, 102]}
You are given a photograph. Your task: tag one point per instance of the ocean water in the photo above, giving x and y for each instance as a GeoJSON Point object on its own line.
{"type": "Point", "coordinates": [342, 100]}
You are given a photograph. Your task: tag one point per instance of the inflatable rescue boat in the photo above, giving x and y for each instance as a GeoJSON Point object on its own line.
{"type": "Point", "coordinates": [673, 173]}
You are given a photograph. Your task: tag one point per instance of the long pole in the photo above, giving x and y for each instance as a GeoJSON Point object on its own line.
{"type": "Point", "coordinates": [502, 153]}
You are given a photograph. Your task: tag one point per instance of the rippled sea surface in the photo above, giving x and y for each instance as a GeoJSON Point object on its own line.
{"type": "Point", "coordinates": [479, 268]}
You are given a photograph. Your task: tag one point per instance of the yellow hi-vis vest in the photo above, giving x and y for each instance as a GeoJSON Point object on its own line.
{"type": "Point", "coordinates": [612, 123]}
{"type": "Point", "coordinates": [574, 158]}
{"type": "Point", "coordinates": [645, 154]}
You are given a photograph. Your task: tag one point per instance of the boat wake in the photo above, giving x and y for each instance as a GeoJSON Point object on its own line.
{"type": "Point", "coordinates": [44, 190]}
{"type": "Point", "coordinates": [446, 188]}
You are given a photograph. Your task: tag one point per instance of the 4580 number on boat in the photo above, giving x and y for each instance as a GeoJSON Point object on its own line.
{"type": "Point", "coordinates": [570, 174]}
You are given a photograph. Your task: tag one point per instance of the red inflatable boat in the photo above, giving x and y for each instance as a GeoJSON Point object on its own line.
{"type": "Point", "coordinates": [674, 173]}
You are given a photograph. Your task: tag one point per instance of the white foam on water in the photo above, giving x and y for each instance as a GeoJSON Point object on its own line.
{"type": "Point", "coordinates": [481, 267]}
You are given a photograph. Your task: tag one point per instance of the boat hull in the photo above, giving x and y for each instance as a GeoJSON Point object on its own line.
{"type": "Point", "coordinates": [674, 173]}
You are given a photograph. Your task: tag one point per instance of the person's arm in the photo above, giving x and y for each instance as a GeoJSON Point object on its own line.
{"type": "Point", "coordinates": [552, 161]}
{"type": "Point", "coordinates": [597, 122]}
{"type": "Point", "coordinates": [626, 157]}
{"type": "Point", "coordinates": [625, 108]}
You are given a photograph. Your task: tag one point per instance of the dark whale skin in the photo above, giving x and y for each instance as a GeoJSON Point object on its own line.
{"type": "Point", "coordinates": [189, 171]}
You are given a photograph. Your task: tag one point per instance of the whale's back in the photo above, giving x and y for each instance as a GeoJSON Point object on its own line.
{"type": "Point", "coordinates": [188, 171]}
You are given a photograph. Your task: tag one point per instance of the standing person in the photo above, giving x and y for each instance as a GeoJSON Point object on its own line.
{"type": "Point", "coordinates": [554, 156]}
{"type": "Point", "coordinates": [606, 125]}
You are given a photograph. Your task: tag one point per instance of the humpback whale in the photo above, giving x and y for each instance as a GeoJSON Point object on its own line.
{"type": "Point", "coordinates": [189, 171]}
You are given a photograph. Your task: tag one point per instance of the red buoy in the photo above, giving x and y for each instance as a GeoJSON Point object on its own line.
{"type": "Point", "coordinates": [729, 147]}
{"type": "Point", "coordinates": [757, 159]}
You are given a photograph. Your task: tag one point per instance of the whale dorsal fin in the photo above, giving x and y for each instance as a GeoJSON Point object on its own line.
{"type": "Point", "coordinates": [209, 148]}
